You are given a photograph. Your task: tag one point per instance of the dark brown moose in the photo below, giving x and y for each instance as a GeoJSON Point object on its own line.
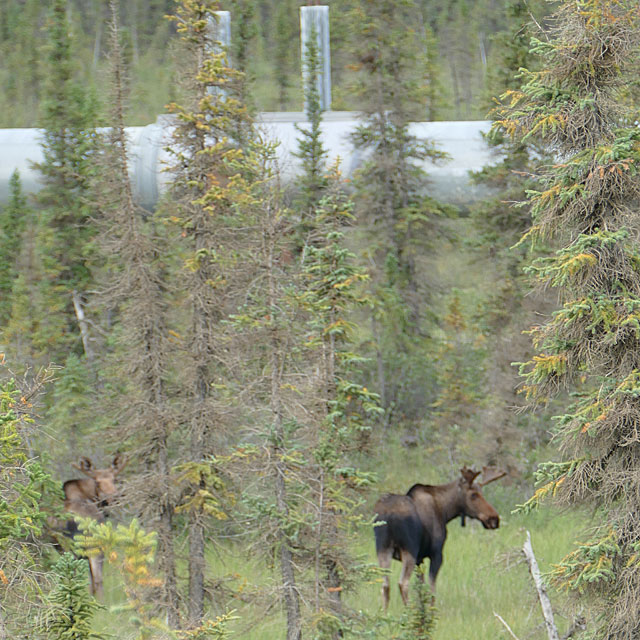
{"type": "Point", "coordinates": [90, 497]}
{"type": "Point", "coordinates": [414, 526]}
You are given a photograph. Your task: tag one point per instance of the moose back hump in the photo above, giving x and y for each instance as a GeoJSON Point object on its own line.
{"type": "Point", "coordinates": [413, 527]}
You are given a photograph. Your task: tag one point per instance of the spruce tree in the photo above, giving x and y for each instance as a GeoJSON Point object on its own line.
{"type": "Point", "coordinates": [419, 619]}
{"type": "Point", "coordinates": [340, 417]}
{"type": "Point", "coordinates": [134, 257]}
{"type": "Point", "coordinates": [587, 204]}
{"type": "Point", "coordinates": [64, 227]}
{"type": "Point", "coordinates": [13, 219]}
{"type": "Point", "coordinates": [285, 30]}
{"type": "Point", "coordinates": [265, 328]}
{"type": "Point", "coordinates": [401, 220]}
{"type": "Point", "coordinates": [497, 223]}
{"type": "Point", "coordinates": [244, 33]}
{"type": "Point", "coordinates": [205, 141]}
{"type": "Point", "coordinates": [23, 487]}
{"type": "Point", "coordinates": [311, 152]}
{"type": "Point", "coordinates": [70, 608]}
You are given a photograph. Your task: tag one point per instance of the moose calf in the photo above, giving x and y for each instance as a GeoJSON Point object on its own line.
{"type": "Point", "coordinates": [90, 497]}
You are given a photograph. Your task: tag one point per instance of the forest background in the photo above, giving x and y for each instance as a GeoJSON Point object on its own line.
{"type": "Point", "coordinates": [270, 357]}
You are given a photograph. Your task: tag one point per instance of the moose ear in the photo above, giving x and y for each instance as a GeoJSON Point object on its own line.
{"type": "Point", "coordinates": [85, 465]}
{"type": "Point", "coordinates": [119, 463]}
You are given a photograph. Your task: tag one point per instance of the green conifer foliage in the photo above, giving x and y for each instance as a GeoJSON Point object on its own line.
{"type": "Point", "coordinates": [205, 143]}
{"type": "Point", "coordinates": [419, 619]}
{"type": "Point", "coordinates": [286, 31]}
{"type": "Point", "coordinates": [70, 607]}
{"type": "Point", "coordinates": [344, 409]}
{"type": "Point", "coordinates": [72, 405]}
{"type": "Point", "coordinates": [13, 219]}
{"type": "Point", "coordinates": [64, 230]}
{"type": "Point", "coordinates": [23, 483]}
{"type": "Point", "coordinates": [21, 71]}
{"type": "Point", "coordinates": [390, 195]}
{"type": "Point", "coordinates": [244, 33]}
{"type": "Point", "coordinates": [313, 178]}
{"type": "Point", "coordinates": [588, 204]}
{"type": "Point", "coordinates": [461, 375]}
{"type": "Point", "coordinates": [499, 219]}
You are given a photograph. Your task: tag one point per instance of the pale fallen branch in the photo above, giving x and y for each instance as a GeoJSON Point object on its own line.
{"type": "Point", "coordinates": [507, 627]}
{"type": "Point", "coordinates": [545, 603]}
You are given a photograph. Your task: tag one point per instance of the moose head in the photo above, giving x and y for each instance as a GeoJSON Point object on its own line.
{"type": "Point", "coordinates": [474, 503]}
{"type": "Point", "coordinates": [102, 485]}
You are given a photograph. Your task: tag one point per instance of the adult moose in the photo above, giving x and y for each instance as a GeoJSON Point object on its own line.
{"type": "Point", "coordinates": [90, 497]}
{"type": "Point", "coordinates": [414, 526]}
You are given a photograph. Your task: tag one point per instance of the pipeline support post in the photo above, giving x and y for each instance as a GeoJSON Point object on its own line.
{"type": "Point", "coordinates": [317, 19]}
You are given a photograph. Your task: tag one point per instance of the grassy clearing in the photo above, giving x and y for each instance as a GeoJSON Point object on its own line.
{"type": "Point", "coordinates": [483, 572]}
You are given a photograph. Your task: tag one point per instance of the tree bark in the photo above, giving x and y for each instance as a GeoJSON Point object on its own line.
{"type": "Point", "coordinates": [84, 327]}
{"type": "Point", "coordinates": [545, 603]}
{"type": "Point", "coordinates": [278, 354]}
{"type": "Point", "coordinates": [166, 552]}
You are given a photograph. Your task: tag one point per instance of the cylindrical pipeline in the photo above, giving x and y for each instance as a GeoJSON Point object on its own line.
{"type": "Point", "coordinates": [447, 181]}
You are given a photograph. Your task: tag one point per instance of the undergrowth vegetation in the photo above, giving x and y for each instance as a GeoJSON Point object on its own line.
{"type": "Point", "coordinates": [483, 571]}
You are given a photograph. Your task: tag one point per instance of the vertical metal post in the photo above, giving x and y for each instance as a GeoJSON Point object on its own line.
{"type": "Point", "coordinates": [220, 31]}
{"type": "Point", "coordinates": [317, 17]}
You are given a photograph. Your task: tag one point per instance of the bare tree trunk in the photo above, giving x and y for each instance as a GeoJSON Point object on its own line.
{"type": "Point", "coordinates": [382, 377]}
{"type": "Point", "coordinates": [197, 567]}
{"type": "Point", "coordinates": [166, 552]}
{"type": "Point", "coordinates": [197, 562]}
{"type": "Point", "coordinates": [545, 603]}
{"type": "Point", "coordinates": [278, 355]}
{"type": "Point", "coordinates": [291, 598]}
{"type": "Point", "coordinates": [84, 328]}
{"type": "Point", "coordinates": [97, 43]}
{"type": "Point", "coordinates": [3, 627]}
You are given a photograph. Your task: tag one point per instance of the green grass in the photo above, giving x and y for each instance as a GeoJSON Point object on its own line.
{"type": "Point", "coordinates": [483, 572]}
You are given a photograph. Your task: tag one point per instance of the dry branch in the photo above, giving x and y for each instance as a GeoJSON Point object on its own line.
{"type": "Point", "coordinates": [545, 603]}
{"type": "Point", "coordinates": [507, 627]}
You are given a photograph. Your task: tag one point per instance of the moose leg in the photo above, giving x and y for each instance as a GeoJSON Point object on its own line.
{"type": "Point", "coordinates": [408, 564]}
{"type": "Point", "coordinates": [95, 575]}
{"type": "Point", "coordinates": [434, 567]}
{"type": "Point", "coordinates": [384, 560]}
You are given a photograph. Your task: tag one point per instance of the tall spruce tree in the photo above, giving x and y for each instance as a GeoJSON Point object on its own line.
{"type": "Point", "coordinates": [312, 180]}
{"type": "Point", "coordinates": [64, 225]}
{"type": "Point", "coordinates": [204, 143]}
{"type": "Point", "coordinates": [285, 31]}
{"type": "Point", "coordinates": [133, 283]}
{"type": "Point", "coordinates": [340, 416]}
{"type": "Point", "coordinates": [588, 205]}
{"type": "Point", "coordinates": [265, 328]}
{"type": "Point", "coordinates": [498, 222]}
{"type": "Point", "coordinates": [329, 292]}
{"type": "Point", "coordinates": [390, 195]}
